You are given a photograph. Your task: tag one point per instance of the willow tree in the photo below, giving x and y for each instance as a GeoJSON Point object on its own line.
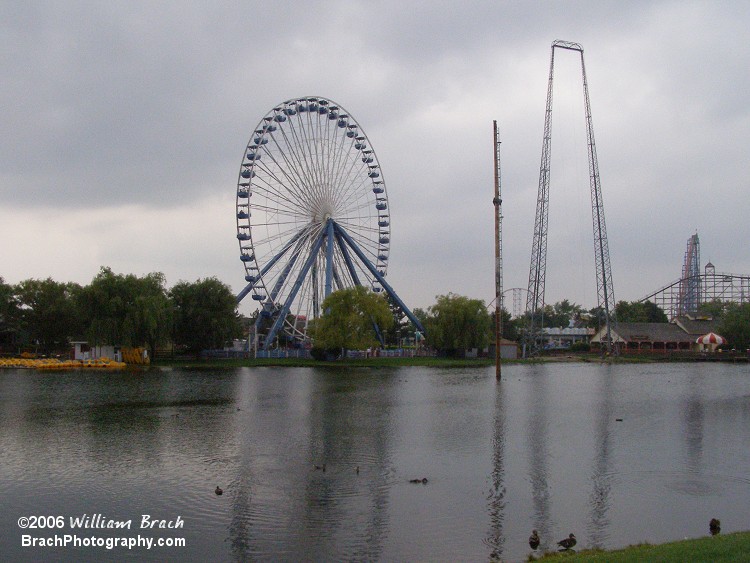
{"type": "Point", "coordinates": [126, 309]}
{"type": "Point", "coordinates": [350, 318]}
{"type": "Point", "coordinates": [735, 325]}
{"type": "Point", "coordinates": [47, 312]}
{"type": "Point", "coordinates": [456, 323]}
{"type": "Point", "coordinates": [205, 314]}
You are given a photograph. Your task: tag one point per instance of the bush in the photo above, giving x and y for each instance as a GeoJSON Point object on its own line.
{"type": "Point", "coordinates": [580, 347]}
{"type": "Point", "coordinates": [325, 354]}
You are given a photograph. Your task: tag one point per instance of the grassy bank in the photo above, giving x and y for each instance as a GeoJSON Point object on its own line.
{"type": "Point", "coordinates": [349, 363]}
{"type": "Point", "coordinates": [722, 548]}
{"type": "Point", "coordinates": [383, 362]}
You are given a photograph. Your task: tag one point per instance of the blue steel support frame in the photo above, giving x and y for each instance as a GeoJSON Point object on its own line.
{"type": "Point", "coordinates": [355, 279]}
{"type": "Point", "coordinates": [293, 293]}
{"type": "Point", "coordinates": [271, 299]}
{"type": "Point", "coordinates": [249, 287]}
{"type": "Point", "coordinates": [329, 259]}
{"type": "Point", "coordinates": [347, 259]}
{"type": "Point", "coordinates": [374, 271]}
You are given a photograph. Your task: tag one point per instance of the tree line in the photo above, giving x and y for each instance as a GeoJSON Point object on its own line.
{"type": "Point", "coordinates": [453, 324]}
{"type": "Point", "coordinates": [45, 315]}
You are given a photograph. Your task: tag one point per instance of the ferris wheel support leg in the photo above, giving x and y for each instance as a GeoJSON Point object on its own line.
{"type": "Point", "coordinates": [293, 293]}
{"type": "Point", "coordinates": [267, 306]}
{"type": "Point", "coordinates": [374, 271]}
{"type": "Point", "coordinates": [249, 287]}
{"type": "Point", "coordinates": [378, 334]}
{"type": "Point", "coordinates": [355, 279]}
{"type": "Point", "coordinates": [347, 259]}
{"type": "Point", "coordinates": [242, 294]}
{"type": "Point", "coordinates": [282, 278]}
{"type": "Point", "coordinates": [329, 259]}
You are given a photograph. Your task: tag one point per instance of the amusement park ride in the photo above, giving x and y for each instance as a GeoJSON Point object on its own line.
{"type": "Point", "coordinates": [537, 269]}
{"type": "Point", "coordinates": [685, 295]}
{"type": "Point", "coordinates": [312, 216]}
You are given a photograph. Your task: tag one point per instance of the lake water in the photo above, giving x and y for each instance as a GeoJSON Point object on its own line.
{"type": "Point", "coordinates": [615, 454]}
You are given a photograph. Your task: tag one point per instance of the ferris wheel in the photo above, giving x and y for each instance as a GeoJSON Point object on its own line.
{"type": "Point", "coordinates": [312, 214]}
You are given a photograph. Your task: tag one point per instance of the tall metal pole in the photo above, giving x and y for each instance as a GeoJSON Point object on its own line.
{"type": "Point", "coordinates": [604, 286]}
{"type": "Point", "coordinates": [498, 202]}
{"type": "Point", "coordinates": [538, 267]}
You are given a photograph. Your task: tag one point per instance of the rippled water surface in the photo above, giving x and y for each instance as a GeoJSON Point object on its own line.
{"type": "Point", "coordinates": [615, 454]}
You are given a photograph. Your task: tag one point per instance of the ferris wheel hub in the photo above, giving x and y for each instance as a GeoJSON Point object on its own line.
{"type": "Point", "coordinates": [323, 212]}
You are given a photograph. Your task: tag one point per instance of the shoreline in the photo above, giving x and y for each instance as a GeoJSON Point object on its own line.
{"type": "Point", "coordinates": [416, 361]}
{"type": "Point", "coordinates": [708, 549]}
{"type": "Point", "coordinates": [422, 361]}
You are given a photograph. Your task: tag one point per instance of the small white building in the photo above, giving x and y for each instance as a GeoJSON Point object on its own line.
{"type": "Point", "coordinates": [563, 338]}
{"type": "Point", "coordinates": [508, 350]}
{"type": "Point", "coordinates": [82, 351]}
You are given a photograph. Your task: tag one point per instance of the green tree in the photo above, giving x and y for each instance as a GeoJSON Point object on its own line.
{"type": "Point", "coordinates": [511, 327]}
{"type": "Point", "coordinates": [126, 309]}
{"type": "Point", "coordinates": [654, 313]}
{"type": "Point", "coordinates": [561, 313]}
{"type": "Point", "coordinates": [595, 318]}
{"type": "Point", "coordinates": [103, 305]}
{"type": "Point", "coordinates": [420, 314]}
{"type": "Point", "coordinates": [205, 314]}
{"type": "Point", "coordinates": [640, 312]}
{"type": "Point", "coordinates": [398, 328]}
{"type": "Point", "coordinates": [9, 315]}
{"type": "Point", "coordinates": [149, 318]}
{"type": "Point", "coordinates": [714, 309]}
{"type": "Point", "coordinates": [735, 325]}
{"type": "Point", "coordinates": [456, 323]}
{"type": "Point", "coordinates": [348, 322]}
{"type": "Point", "coordinates": [48, 313]}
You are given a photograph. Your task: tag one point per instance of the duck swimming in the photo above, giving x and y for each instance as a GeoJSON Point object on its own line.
{"type": "Point", "coordinates": [218, 490]}
{"type": "Point", "coordinates": [534, 540]}
{"type": "Point", "coordinates": [568, 542]}
{"type": "Point", "coordinates": [423, 480]}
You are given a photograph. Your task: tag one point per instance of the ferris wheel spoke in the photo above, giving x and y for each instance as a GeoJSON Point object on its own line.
{"type": "Point", "coordinates": [298, 151]}
{"type": "Point", "coordinates": [268, 245]}
{"type": "Point", "coordinates": [278, 209]}
{"type": "Point", "coordinates": [343, 165]}
{"type": "Point", "coordinates": [273, 189]}
{"type": "Point", "coordinates": [359, 207]}
{"type": "Point", "coordinates": [313, 154]}
{"type": "Point", "coordinates": [354, 223]}
{"type": "Point", "coordinates": [279, 173]}
{"type": "Point", "coordinates": [320, 151]}
{"type": "Point", "coordinates": [349, 172]}
{"type": "Point", "coordinates": [291, 182]}
{"type": "Point", "coordinates": [287, 164]}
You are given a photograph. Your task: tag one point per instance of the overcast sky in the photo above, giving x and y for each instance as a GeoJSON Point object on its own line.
{"type": "Point", "coordinates": [124, 125]}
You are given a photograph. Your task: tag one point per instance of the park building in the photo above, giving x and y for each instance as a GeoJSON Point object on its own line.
{"type": "Point", "coordinates": [562, 338]}
{"type": "Point", "coordinates": [679, 335]}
